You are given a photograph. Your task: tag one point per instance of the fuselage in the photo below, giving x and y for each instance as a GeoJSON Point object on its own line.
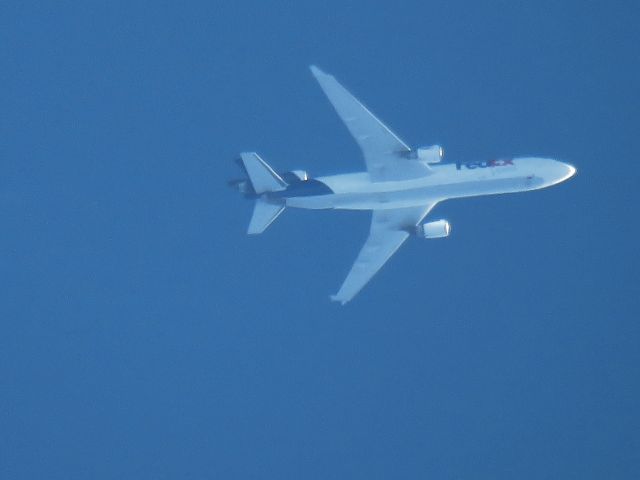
{"type": "Point", "coordinates": [355, 191]}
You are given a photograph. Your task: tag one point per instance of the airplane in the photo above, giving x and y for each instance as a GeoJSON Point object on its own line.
{"type": "Point", "coordinates": [400, 185]}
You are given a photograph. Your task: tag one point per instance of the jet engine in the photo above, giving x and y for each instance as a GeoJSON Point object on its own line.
{"type": "Point", "coordinates": [295, 176]}
{"type": "Point", "coordinates": [437, 229]}
{"type": "Point", "coordinates": [432, 154]}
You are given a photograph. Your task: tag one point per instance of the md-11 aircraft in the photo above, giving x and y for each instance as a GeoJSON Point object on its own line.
{"type": "Point", "coordinates": [400, 186]}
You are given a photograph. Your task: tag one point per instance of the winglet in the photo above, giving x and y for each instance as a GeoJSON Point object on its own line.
{"type": "Point", "coordinates": [326, 81]}
{"type": "Point", "coordinates": [322, 77]}
{"type": "Point", "coordinates": [336, 298]}
{"type": "Point", "coordinates": [315, 70]}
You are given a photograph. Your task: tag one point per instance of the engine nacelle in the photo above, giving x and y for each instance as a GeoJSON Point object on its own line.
{"type": "Point", "coordinates": [432, 154]}
{"type": "Point", "coordinates": [295, 176]}
{"type": "Point", "coordinates": [437, 229]}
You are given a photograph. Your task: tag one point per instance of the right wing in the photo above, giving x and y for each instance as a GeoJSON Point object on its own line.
{"type": "Point", "coordinates": [389, 230]}
{"type": "Point", "coordinates": [384, 153]}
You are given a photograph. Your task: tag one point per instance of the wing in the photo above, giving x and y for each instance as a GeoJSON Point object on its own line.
{"type": "Point", "coordinates": [385, 154]}
{"type": "Point", "coordinates": [389, 230]}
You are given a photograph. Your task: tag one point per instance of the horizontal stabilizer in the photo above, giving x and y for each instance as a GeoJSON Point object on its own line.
{"type": "Point", "coordinates": [262, 176]}
{"type": "Point", "coordinates": [264, 213]}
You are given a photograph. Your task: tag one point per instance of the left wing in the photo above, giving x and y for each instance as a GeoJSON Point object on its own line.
{"type": "Point", "coordinates": [386, 156]}
{"type": "Point", "coordinates": [389, 230]}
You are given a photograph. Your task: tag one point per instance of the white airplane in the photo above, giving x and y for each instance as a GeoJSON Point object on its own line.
{"type": "Point", "coordinates": [400, 186]}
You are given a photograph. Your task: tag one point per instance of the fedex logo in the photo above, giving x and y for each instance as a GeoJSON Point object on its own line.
{"type": "Point", "coordinates": [487, 164]}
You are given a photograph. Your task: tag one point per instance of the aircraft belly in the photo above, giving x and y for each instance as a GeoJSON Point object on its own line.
{"type": "Point", "coordinates": [318, 202]}
{"type": "Point", "coordinates": [412, 197]}
{"type": "Point", "coordinates": [363, 201]}
{"type": "Point", "coordinates": [382, 201]}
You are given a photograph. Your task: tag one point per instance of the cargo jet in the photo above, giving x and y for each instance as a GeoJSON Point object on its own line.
{"type": "Point", "coordinates": [400, 185]}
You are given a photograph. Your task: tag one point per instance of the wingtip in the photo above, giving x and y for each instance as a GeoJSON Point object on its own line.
{"type": "Point", "coordinates": [336, 298]}
{"type": "Point", "coordinates": [316, 71]}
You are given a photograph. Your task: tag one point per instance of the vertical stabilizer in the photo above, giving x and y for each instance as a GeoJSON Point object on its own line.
{"type": "Point", "coordinates": [264, 213]}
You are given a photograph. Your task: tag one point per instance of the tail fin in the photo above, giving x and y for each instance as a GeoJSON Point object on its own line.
{"type": "Point", "coordinates": [264, 213]}
{"type": "Point", "coordinates": [263, 178]}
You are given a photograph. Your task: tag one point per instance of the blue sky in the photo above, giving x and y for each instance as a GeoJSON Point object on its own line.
{"type": "Point", "coordinates": [144, 335]}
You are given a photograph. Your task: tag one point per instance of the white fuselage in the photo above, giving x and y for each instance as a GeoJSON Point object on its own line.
{"type": "Point", "coordinates": [355, 191]}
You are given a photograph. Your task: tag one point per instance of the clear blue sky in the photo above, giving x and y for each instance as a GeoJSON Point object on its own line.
{"type": "Point", "coordinates": [144, 336]}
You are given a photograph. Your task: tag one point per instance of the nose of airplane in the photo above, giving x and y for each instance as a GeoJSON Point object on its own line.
{"type": "Point", "coordinates": [569, 171]}
{"type": "Point", "coordinates": [559, 172]}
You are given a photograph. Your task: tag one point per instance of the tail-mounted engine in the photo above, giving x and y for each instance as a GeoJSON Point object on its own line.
{"type": "Point", "coordinates": [295, 176]}
{"type": "Point", "coordinates": [247, 187]}
{"type": "Point", "coordinates": [437, 229]}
